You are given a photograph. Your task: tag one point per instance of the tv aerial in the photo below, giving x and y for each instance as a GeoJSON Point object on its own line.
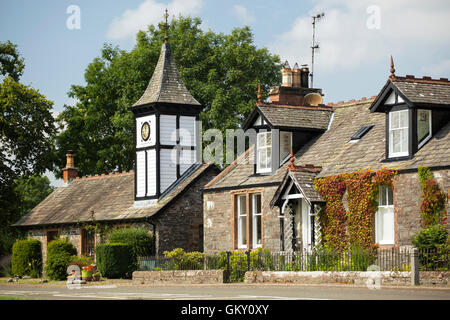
{"type": "Point", "coordinates": [315, 46]}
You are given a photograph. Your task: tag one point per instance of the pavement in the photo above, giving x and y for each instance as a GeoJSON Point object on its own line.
{"type": "Point", "coordinates": [125, 290]}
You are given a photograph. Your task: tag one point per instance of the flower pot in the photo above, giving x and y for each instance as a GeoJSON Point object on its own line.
{"type": "Point", "coordinates": [86, 275]}
{"type": "Point", "coordinates": [96, 277]}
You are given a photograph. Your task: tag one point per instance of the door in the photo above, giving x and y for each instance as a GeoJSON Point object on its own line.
{"type": "Point", "coordinates": [306, 225]}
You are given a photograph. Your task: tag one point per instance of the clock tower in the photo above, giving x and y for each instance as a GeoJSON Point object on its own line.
{"type": "Point", "coordinates": [167, 133]}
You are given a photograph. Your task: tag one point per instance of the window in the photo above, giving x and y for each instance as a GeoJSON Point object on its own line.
{"type": "Point", "coordinates": [285, 145]}
{"type": "Point", "coordinates": [256, 220]}
{"type": "Point", "coordinates": [52, 235]}
{"type": "Point", "coordinates": [398, 133]}
{"type": "Point", "coordinates": [242, 220]}
{"type": "Point", "coordinates": [87, 243]}
{"type": "Point", "coordinates": [248, 226]}
{"type": "Point", "coordinates": [264, 152]}
{"type": "Point", "coordinates": [423, 126]}
{"type": "Point", "coordinates": [361, 132]}
{"type": "Point", "coordinates": [384, 218]}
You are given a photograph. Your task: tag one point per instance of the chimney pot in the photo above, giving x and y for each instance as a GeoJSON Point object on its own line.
{"type": "Point", "coordinates": [69, 172]}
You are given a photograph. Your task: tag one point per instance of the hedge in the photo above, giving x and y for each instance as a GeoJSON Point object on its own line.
{"type": "Point", "coordinates": [139, 238]}
{"type": "Point", "coordinates": [59, 256]}
{"type": "Point", "coordinates": [115, 260]}
{"type": "Point", "coordinates": [26, 258]}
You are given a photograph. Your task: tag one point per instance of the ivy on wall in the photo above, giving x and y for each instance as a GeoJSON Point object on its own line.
{"type": "Point", "coordinates": [341, 228]}
{"type": "Point", "coordinates": [432, 208]}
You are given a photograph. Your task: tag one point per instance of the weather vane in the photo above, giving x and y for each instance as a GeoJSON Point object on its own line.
{"type": "Point", "coordinates": [166, 37]}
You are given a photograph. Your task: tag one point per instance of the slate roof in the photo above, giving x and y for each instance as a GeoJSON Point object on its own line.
{"type": "Point", "coordinates": [304, 181]}
{"type": "Point", "coordinates": [421, 91]}
{"type": "Point", "coordinates": [166, 84]}
{"type": "Point", "coordinates": [110, 197]}
{"type": "Point", "coordinates": [298, 117]}
{"type": "Point", "coordinates": [335, 153]}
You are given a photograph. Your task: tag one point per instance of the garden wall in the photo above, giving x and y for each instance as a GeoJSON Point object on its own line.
{"type": "Point", "coordinates": [384, 278]}
{"type": "Point", "coordinates": [179, 277]}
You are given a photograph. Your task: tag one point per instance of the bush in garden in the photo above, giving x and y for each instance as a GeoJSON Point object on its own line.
{"type": "Point", "coordinates": [430, 237]}
{"type": "Point", "coordinates": [139, 238]}
{"type": "Point", "coordinates": [115, 260]}
{"type": "Point", "coordinates": [434, 247]}
{"type": "Point", "coordinates": [178, 259]}
{"type": "Point", "coordinates": [26, 258]}
{"type": "Point", "coordinates": [59, 254]}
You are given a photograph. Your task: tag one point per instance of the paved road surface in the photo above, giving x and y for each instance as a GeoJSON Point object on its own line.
{"type": "Point", "coordinates": [223, 292]}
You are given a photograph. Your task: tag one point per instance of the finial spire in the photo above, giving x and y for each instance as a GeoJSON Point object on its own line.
{"type": "Point", "coordinates": [259, 92]}
{"type": "Point", "coordinates": [166, 26]}
{"type": "Point", "coordinates": [392, 69]}
{"type": "Point", "coordinates": [291, 166]}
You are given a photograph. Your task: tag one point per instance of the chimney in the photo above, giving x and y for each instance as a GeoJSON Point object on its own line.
{"type": "Point", "coordinates": [69, 172]}
{"type": "Point", "coordinates": [296, 76]}
{"type": "Point", "coordinates": [287, 75]}
{"type": "Point", "coordinates": [304, 76]}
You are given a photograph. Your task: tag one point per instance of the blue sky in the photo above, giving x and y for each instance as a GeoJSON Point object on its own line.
{"type": "Point", "coordinates": [356, 37]}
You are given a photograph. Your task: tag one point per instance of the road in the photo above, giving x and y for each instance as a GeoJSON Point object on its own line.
{"type": "Point", "coordinates": [222, 292]}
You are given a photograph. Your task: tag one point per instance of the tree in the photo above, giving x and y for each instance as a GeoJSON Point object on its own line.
{"type": "Point", "coordinates": [27, 133]}
{"type": "Point", "coordinates": [32, 191]}
{"type": "Point", "coordinates": [221, 71]}
{"type": "Point", "coordinates": [10, 62]}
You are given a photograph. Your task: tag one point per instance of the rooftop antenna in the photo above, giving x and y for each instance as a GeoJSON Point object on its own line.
{"type": "Point", "coordinates": [314, 46]}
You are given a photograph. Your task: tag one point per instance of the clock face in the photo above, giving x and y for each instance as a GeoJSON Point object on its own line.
{"type": "Point", "coordinates": [145, 131]}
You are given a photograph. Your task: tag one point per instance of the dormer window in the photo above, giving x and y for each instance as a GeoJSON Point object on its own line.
{"type": "Point", "coordinates": [423, 126]}
{"type": "Point", "coordinates": [285, 145]}
{"type": "Point", "coordinates": [398, 133]}
{"type": "Point", "coordinates": [264, 152]}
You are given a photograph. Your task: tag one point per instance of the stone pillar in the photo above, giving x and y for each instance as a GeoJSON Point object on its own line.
{"type": "Point", "coordinates": [415, 280]}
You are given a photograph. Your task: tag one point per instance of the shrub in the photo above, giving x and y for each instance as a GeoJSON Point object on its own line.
{"type": "Point", "coordinates": [430, 237]}
{"type": "Point", "coordinates": [59, 253]}
{"type": "Point", "coordinates": [26, 258]}
{"type": "Point", "coordinates": [139, 238]}
{"type": "Point", "coordinates": [181, 260]}
{"type": "Point", "coordinates": [115, 260]}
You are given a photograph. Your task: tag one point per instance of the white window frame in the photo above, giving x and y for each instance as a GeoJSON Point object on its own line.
{"type": "Point", "coordinates": [240, 216]}
{"type": "Point", "coordinates": [391, 140]}
{"type": "Point", "coordinates": [256, 214]}
{"type": "Point", "coordinates": [390, 209]}
{"type": "Point", "coordinates": [264, 148]}
{"type": "Point", "coordinates": [428, 137]}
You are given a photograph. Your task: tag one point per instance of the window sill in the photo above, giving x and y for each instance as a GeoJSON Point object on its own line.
{"type": "Point", "coordinates": [397, 159]}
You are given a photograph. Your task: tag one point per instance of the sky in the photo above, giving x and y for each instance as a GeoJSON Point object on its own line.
{"type": "Point", "coordinates": [59, 38]}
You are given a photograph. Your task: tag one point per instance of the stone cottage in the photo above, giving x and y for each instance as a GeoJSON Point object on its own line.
{"type": "Point", "coordinates": [162, 193]}
{"type": "Point", "coordinates": [266, 198]}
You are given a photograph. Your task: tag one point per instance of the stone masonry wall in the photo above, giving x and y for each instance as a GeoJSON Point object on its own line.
{"type": "Point", "coordinates": [181, 225]}
{"type": "Point", "coordinates": [218, 220]}
{"type": "Point", "coordinates": [407, 201]}
{"type": "Point", "coordinates": [370, 278]}
{"type": "Point", "coordinates": [179, 277]}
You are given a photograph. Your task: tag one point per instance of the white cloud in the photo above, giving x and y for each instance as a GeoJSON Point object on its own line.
{"type": "Point", "coordinates": [346, 42]}
{"type": "Point", "coordinates": [149, 12]}
{"type": "Point", "coordinates": [243, 15]}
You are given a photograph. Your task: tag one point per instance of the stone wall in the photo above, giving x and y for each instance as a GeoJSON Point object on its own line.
{"type": "Point", "coordinates": [218, 219]}
{"type": "Point", "coordinates": [179, 277]}
{"type": "Point", "coordinates": [181, 224]}
{"type": "Point", "coordinates": [407, 201]}
{"type": "Point", "coordinates": [370, 278]}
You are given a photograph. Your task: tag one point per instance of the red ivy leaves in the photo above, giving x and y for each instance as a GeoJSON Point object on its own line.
{"type": "Point", "coordinates": [341, 228]}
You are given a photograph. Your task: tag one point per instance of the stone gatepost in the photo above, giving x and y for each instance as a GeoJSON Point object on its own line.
{"type": "Point", "coordinates": [415, 280]}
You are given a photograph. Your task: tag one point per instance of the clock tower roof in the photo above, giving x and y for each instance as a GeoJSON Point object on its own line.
{"type": "Point", "coordinates": [166, 85]}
